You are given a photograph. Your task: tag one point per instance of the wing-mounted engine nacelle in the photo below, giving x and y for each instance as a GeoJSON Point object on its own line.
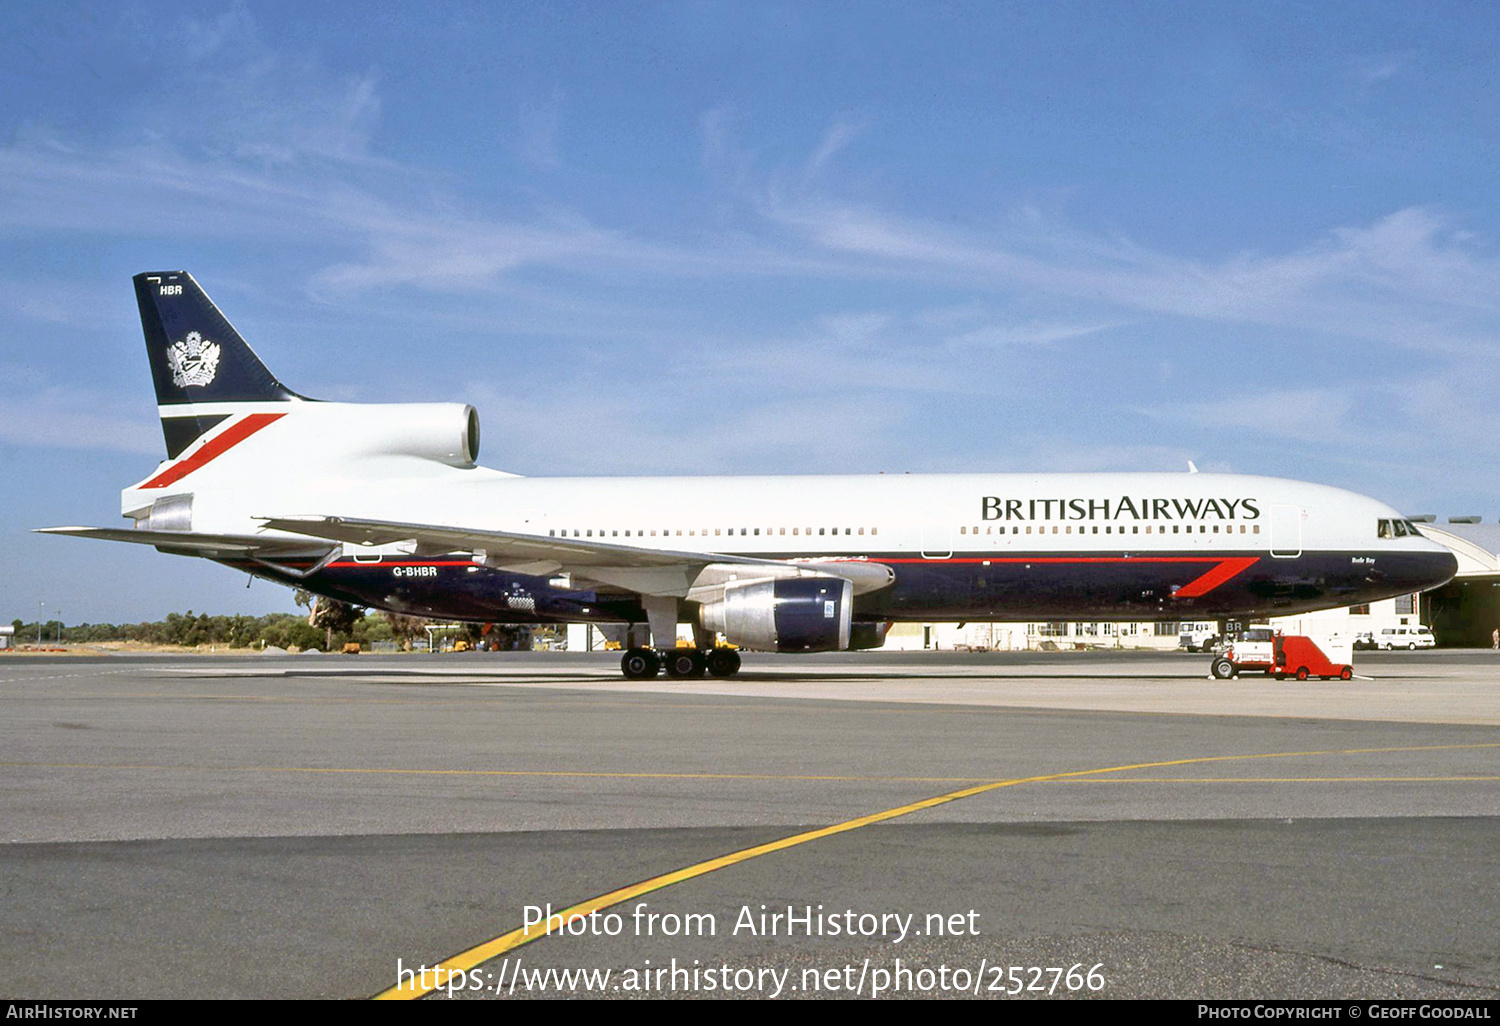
{"type": "Point", "coordinates": [800, 614]}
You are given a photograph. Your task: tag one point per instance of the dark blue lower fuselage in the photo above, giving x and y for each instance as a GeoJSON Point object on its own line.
{"type": "Point", "coordinates": [1039, 586]}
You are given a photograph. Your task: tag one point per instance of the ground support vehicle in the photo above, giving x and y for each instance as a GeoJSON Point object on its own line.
{"type": "Point", "coordinates": [1302, 657]}
{"type": "Point", "coordinates": [1282, 655]}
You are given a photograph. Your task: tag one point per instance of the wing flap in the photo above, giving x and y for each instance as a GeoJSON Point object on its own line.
{"type": "Point", "coordinates": [647, 571]}
{"type": "Point", "coordinates": [498, 547]}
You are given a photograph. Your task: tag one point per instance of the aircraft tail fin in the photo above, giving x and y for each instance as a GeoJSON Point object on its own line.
{"type": "Point", "coordinates": [197, 358]}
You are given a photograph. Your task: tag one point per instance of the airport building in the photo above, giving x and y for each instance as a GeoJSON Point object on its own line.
{"type": "Point", "coordinates": [1465, 612]}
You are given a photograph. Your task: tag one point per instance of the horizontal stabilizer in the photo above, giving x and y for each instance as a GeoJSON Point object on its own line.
{"type": "Point", "coordinates": [213, 546]}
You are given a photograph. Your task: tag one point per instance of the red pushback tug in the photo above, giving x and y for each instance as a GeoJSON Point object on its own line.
{"type": "Point", "coordinates": [1286, 655]}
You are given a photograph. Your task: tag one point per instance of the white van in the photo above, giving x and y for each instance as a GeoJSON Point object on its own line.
{"type": "Point", "coordinates": [1405, 637]}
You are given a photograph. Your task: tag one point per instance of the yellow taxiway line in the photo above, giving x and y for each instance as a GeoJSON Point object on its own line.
{"type": "Point", "coordinates": [468, 959]}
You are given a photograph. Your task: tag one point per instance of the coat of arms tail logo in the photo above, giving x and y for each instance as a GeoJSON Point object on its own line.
{"type": "Point", "coordinates": [194, 361]}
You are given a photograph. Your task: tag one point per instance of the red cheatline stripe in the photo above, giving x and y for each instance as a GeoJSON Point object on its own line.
{"type": "Point", "coordinates": [1225, 568]}
{"type": "Point", "coordinates": [1215, 577]}
{"type": "Point", "coordinates": [215, 447]}
{"type": "Point", "coordinates": [388, 563]}
{"type": "Point", "coordinates": [1051, 559]}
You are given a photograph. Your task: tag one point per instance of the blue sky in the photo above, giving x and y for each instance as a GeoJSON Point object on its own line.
{"type": "Point", "coordinates": [772, 238]}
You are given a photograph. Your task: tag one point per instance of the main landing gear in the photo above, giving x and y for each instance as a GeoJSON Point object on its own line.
{"type": "Point", "coordinates": [680, 663]}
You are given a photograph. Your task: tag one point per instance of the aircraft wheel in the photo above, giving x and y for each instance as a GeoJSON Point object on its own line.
{"type": "Point", "coordinates": [1347, 673]}
{"type": "Point", "coordinates": [1301, 673]}
{"type": "Point", "coordinates": [683, 663]}
{"type": "Point", "coordinates": [723, 662]}
{"type": "Point", "coordinates": [640, 664]}
{"type": "Point", "coordinates": [1223, 669]}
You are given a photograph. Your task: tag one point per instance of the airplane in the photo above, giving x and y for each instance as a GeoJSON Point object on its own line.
{"type": "Point", "coordinates": [384, 505]}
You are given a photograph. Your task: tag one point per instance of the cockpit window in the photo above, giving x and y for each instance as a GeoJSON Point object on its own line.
{"type": "Point", "coordinates": [1383, 530]}
{"type": "Point", "coordinates": [1411, 529]}
{"type": "Point", "coordinates": [1400, 526]}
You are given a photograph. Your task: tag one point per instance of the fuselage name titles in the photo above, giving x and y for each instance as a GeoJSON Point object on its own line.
{"type": "Point", "coordinates": [1125, 508]}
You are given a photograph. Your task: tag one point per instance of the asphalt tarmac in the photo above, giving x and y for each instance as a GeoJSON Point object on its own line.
{"type": "Point", "coordinates": [1043, 825]}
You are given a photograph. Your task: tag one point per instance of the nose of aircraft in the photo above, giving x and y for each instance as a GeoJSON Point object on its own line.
{"type": "Point", "coordinates": [1429, 569]}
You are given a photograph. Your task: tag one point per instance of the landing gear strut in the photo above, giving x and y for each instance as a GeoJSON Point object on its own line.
{"type": "Point", "coordinates": [680, 663]}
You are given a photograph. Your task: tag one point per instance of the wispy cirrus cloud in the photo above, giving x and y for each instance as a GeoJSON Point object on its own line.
{"type": "Point", "coordinates": [1412, 277]}
{"type": "Point", "coordinates": [66, 418]}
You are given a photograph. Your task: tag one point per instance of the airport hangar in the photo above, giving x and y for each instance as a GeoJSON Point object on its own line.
{"type": "Point", "coordinates": [1465, 612]}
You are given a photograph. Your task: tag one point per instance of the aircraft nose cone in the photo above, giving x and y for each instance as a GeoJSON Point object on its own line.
{"type": "Point", "coordinates": [1431, 570]}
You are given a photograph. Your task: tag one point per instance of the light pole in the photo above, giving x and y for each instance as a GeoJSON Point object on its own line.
{"type": "Point", "coordinates": [59, 628]}
{"type": "Point", "coordinates": [39, 624]}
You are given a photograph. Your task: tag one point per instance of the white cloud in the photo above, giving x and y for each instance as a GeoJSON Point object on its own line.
{"type": "Point", "coordinates": [836, 138]}
{"type": "Point", "coordinates": [570, 430]}
{"type": "Point", "coordinates": [1379, 67]}
{"type": "Point", "coordinates": [1408, 279]}
{"type": "Point", "coordinates": [60, 418]}
{"type": "Point", "coordinates": [1311, 415]}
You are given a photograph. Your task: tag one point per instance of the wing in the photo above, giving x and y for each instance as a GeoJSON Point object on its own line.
{"type": "Point", "coordinates": [258, 548]}
{"type": "Point", "coordinates": [646, 571]}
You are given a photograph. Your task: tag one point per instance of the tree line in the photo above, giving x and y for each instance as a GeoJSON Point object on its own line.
{"type": "Point", "coordinates": [329, 627]}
